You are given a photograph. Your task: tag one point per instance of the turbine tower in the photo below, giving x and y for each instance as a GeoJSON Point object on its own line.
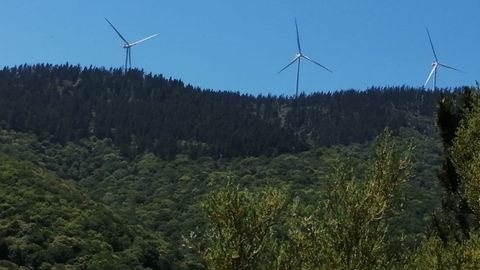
{"type": "Point", "coordinates": [298, 57]}
{"type": "Point", "coordinates": [435, 65]}
{"type": "Point", "coordinates": [128, 46]}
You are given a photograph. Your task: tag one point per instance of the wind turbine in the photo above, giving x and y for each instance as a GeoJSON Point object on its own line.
{"type": "Point", "coordinates": [128, 46]}
{"type": "Point", "coordinates": [435, 66]}
{"type": "Point", "coordinates": [298, 57]}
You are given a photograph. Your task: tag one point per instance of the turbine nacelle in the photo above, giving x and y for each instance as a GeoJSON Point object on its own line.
{"type": "Point", "coordinates": [436, 63]}
{"type": "Point", "coordinates": [127, 45]}
{"type": "Point", "coordinates": [297, 59]}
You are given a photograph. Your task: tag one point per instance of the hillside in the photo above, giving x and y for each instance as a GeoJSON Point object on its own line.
{"type": "Point", "coordinates": [143, 112]}
{"type": "Point", "coordinates": [165, 195]}
{"type": "Point", "coordinates": [139, 112]}
{"type": "Point", "coordinates": [102, 169]}
{"type": "Point", "coordinates": [346, 117]}
{"type": "Point", "coordinates": [46, 222]}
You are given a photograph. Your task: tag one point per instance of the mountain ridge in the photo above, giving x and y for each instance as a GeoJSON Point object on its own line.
{"type": "Point", "coordinates": [149, 113]}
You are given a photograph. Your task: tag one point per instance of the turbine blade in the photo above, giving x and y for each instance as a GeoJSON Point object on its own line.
{"type": "Point", "coordinates": [443, 65]}
{"type": "Point", "coordinates": [315, 62]}
{"type": "Point", "coordinates": [120, 35]}
{"type": "Point", "coordinates": [298, 37]}
{"type": "Point", "coordinates": [142, 40]}
{"type": "Point", "coordinates": [430, 76]}
{"type": "Point", "coordinates": [289, 64]}
{"type": "Point", "coordinates": [431, 44]}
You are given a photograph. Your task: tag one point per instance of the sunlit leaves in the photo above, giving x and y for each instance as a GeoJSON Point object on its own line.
{"type": "Point", "coordinates": [240, 235]}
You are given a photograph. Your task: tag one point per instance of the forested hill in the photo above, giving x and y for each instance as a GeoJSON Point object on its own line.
{"type": "Point", "coordinates": [46, 221]}
{"type": "Point", "coordinates": [139, 112]}
{"type": "Point", "coordinates": [148, 113]}
{"type": "Point", "coordinates": [347, 117]}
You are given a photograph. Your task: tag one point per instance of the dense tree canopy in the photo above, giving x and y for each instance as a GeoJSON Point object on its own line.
{"type": "Point", "coordinates": [45, 221]}
{"type": "Point", "coordinates": [143, 112]}
{"type": "Point", "coordinates": [105, 170]}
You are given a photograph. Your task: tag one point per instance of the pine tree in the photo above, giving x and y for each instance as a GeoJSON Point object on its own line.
{"type": "Point", "coordinates": [454, 221]}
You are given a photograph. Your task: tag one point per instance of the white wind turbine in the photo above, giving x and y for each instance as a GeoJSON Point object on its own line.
{"type": "Point", "coordinates": [298, 57]}
{"type": "Point", "coordinates": [128, 46]}
{"type": "Point", "coordinates": [435, 66]}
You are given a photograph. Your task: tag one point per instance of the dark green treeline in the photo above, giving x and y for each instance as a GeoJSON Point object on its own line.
{"type": "Point", "coordinates": [144, 112]}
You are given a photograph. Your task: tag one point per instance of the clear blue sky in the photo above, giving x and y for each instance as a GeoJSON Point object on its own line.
{"type": "Point", "coordinates": [240, 45]}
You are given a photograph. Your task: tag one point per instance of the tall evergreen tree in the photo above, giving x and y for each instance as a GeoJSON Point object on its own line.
{"type": "Point", "coordinates": [454, 221]}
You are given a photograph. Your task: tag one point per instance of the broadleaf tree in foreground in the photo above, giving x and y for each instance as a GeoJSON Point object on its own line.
{"type": "Point", "coordinates": [346, 230]}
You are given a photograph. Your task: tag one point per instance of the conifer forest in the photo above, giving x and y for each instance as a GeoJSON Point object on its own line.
{"type": "Point", "coordinates": [106, 169]}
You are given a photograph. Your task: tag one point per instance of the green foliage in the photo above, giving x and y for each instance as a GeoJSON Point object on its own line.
{"type": "Point", "coordinates": [142, 113]}
{"type": "Point", "coordinates": [46, 221]}
{"type": "Point", "coordinates": [466, 156]}
{"type": "Point", "coordinates": [349, 229]}
{"type": "Point", "coordinates": [143, 151]}
{"type": "Point", "coordinates": [434, 254]}
{"type": "Point", "coordinates": [460, 122]}
{"type": "Point", "coordinates": [164, 196]}
{"type": "Point", "coordinates": [454, 221]}
{"type": "Point", "coordinates": [241, 228]}
{"type": "Point", "coordinates": [345, 117]}
{"type": "Point", "coordinates": [138, 112]}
